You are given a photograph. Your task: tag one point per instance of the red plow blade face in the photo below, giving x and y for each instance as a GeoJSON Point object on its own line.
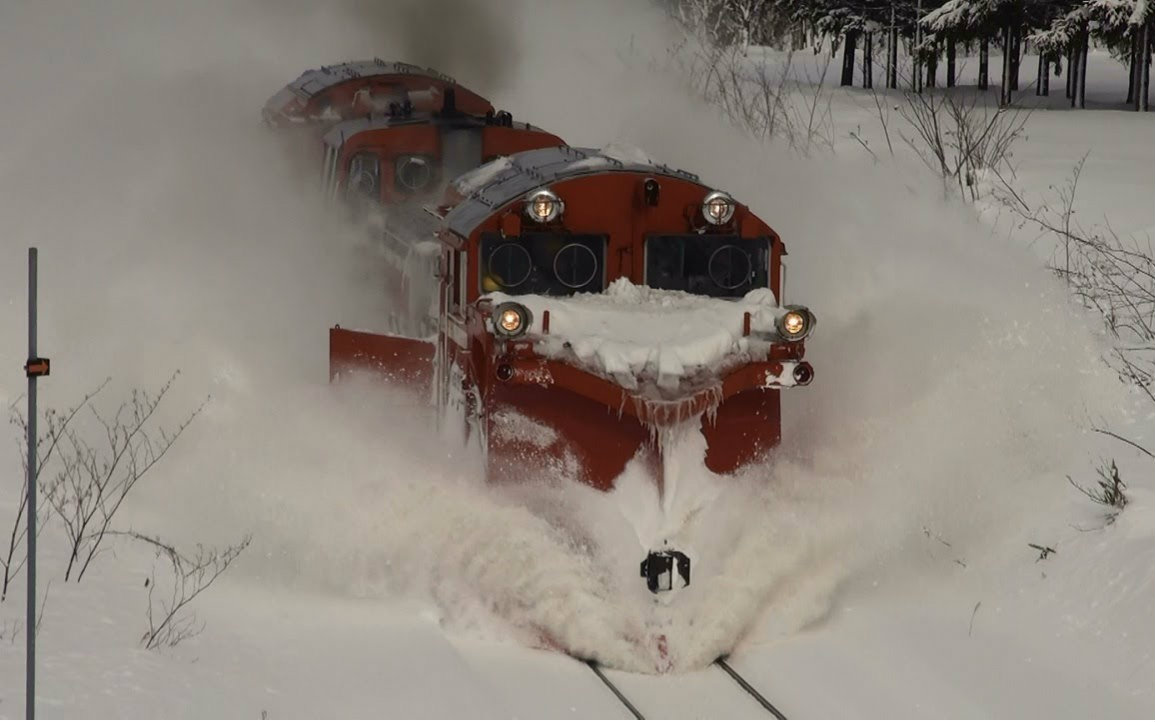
{"type": "Point", "coordinates": [533, 427]}
{"type": "Point", "coordinates": [396, 359]}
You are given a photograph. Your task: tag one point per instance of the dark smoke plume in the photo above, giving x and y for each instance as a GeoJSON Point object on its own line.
{"type": "Point", "coordinates": [468, 39]}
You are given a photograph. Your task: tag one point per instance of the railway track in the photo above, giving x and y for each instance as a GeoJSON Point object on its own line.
{"type": "Point", "coordinates": [721, 664]}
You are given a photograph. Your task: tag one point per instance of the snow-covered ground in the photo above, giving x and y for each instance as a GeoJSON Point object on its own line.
{"type": "Point", "coordinates": [879, 567]}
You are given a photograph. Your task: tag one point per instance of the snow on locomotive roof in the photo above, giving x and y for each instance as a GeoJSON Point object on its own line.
{"type": "Point", "coordinates": [497, 183]}
{"type": "Point", "coordinates": [314, 81]}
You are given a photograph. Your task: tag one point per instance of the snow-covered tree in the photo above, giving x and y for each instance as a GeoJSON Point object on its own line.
{"type": "Point", "coordinates": [1124, 26]}
{"type": "Point", "coordinates": [1007, 21]}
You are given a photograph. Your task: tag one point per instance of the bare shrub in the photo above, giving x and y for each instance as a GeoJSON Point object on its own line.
{"type": "Point", "coordinates": [10, 631]}
{"type": "Point", "coordinates": [56, 425]}
{"type": "Point", "coordinates": [1109, 489]}
{"type": "Point", "coordinates": [85, 484]}
{"type": "Point", "coordinates": [169, 620]}
{"type": "Point", "coordinates": [960, 138]}
{"type": "Point", "coordinates": [765, 101]}
{"type": "Point", "coordinates": [1115, 277]}
{"type": "Point", "coordinates": [93, 480]}
{"type": "Point", "coordinates": [1112, 275]}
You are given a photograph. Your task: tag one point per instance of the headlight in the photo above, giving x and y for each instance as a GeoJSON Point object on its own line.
{"type": "Point", "coordinates": [511, 320]}
{"type": "Point", "coordinates": [543, 206]}
{"type": "Point", "coordinates": [718, 208]}
{"type": "Point", "coordinates": [796, 324]}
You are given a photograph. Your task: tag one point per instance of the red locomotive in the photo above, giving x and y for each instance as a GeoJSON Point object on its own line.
{"type": "Point", "coordinates": [392, 136]}
{"type": "Point", "coordinates": [565, 309]}
{"type": "Point", "coordinates": [589, 304]}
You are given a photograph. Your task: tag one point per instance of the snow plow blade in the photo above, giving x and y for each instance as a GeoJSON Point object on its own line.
{"type": "Point", "coordinates": [396, 359]}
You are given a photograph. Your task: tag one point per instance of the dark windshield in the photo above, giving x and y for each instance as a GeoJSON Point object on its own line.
{"type": "Point", "coordinates": [549, 264]}
{"type": "Point", "coordinates": [721, 266]}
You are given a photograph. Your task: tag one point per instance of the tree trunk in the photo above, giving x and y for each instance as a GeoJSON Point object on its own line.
{"type": "Point", "coordinates": [916, 46]}
{"type": "Point", "coordinates": [868, 60]}
{"type": "Point", "coordinates": [1045, 72]}
{"type": "Point", "coordinates": [892, 52]}
{"type": "Point", "coordinates": [1133, 68]}
{"type": "Point", "coordinates": [1145, 67]}
{"type": "Point", "coordinates": [1083, 69]}
{"type": "Point", "coordinates": [1071, 72]}
{"type": "Point", "coordinates": [1005, 91]}
{"type": "Point", "coordinates": [950, 58]}
{"type": "Point", "coordinates": [984, 63]}
{"type": "Point", "coordinates": [915, 69]}
{"type": "Point", "coordinates": [1016, 56]}
{"type": "Point", "coordinates": [848, 47]}
{"type": "Point", "coordinates": [932, 66]}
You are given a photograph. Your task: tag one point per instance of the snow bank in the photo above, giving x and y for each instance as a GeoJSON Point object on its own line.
{"type": "Point", "coordinates": [631, 332]}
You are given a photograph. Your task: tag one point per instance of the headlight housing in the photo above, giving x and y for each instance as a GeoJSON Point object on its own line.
{"type": "Point", "coordinates": [543, 206]}
{"type": "Point", "coordinates": [796, 324]}
{"type": "Point", "coordinates": [511, 320]}
{"type": "Point", "coordinates": [718, 208]}
{"type": "Point", "coordinates": [413, 173]}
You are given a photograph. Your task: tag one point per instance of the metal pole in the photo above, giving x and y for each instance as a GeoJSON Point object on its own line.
{"type": "Point", "coordinates": [30, 629]}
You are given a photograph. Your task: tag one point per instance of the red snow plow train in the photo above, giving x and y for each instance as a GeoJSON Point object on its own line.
{"type": "Point", "coordinates": [565, 309]}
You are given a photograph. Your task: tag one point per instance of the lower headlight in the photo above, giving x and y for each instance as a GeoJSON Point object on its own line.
{"type": "Point", "coordinates": [511, 320]}
{"type": "Point", "coordinates": [796, 324]}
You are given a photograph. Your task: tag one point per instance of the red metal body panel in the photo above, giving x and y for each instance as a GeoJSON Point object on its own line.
{"type": "Point", "coordinates": [400, 360]}
{"type": "Point", "coordinates": [591, 437]}
{"type": "Point", "coordinates": [612, 204]}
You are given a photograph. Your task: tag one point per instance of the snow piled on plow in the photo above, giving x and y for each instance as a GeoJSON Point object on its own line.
{"type": "Point", "coordinates": [631, 331]}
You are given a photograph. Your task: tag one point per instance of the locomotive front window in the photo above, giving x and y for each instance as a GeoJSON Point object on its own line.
{"type": "Point", "coordinates": [364, 180]}
{"type": "Point", "coordinates": [720, 266]}
{"type": "Point", "coordinates": [549, 264]}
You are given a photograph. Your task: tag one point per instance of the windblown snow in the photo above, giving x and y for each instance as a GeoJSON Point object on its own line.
{"type": "Point", "coordinates": [956, 388]}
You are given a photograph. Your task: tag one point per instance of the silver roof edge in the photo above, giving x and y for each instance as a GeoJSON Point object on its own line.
{"type": "Point", "coordinates": [535, 168]}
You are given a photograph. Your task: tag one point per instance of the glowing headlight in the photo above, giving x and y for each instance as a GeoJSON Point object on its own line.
{"type": "Point", "coordinates": [544, 206]}
{"type": "Point", "coordinates": [718, 208]}
{"type": "Point", "coordinates": [796, 324]}
{"type": "Point", "coordinates": [511, 320]}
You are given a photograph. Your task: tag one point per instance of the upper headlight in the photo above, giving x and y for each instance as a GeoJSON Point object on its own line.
{"type": "Point", "coordinates": [511, 320]}
{"type": "Point", "coordinates": [543, 206]}
{"type": "Point", "coordinates": [796, 324]}
{"type": "Point", "coordinates": [718, 208]}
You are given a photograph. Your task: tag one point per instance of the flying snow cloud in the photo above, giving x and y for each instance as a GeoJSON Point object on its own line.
{"type": "Point", "coordinates": [175, 232]}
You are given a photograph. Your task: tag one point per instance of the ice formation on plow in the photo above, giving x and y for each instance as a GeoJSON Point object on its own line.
{"type": "Point", "coordinates": [586, 306]}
